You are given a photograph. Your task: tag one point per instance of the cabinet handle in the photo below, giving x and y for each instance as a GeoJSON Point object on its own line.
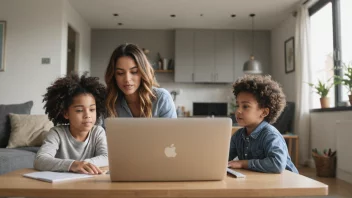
{"type": "Point", "coordinates": [192, 76]}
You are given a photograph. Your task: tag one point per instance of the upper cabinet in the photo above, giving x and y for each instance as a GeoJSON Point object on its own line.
{"type": "Point", "coordinates": [204, 56]}
{"type": "Point", "coordinates": [217, 56]}
{"type": "Point", "coordinates": [224, 58]}
{"type": "Point", "coordinates": [184, 56]}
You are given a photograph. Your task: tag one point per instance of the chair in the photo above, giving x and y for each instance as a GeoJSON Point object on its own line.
{"type": "Point", "coordinates": [284, 123]}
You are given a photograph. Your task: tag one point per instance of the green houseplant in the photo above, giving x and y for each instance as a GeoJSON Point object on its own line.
{"type": "Point", "coordinates": [322, 89]}
{"type": "Point", "coordinates": [346, 79]}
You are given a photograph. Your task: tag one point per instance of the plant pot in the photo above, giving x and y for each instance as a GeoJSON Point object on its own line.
{"type": "Point", "coordinates": [325, 102]}
{"type": "Point", "coordinates": [350, 97]}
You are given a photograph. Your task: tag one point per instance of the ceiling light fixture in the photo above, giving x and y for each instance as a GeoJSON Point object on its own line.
{"type": "Point", "coordinates": [252, 66]}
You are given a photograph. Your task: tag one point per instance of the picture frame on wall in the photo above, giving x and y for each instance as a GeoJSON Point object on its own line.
{"type": "Point", "coordinates": [2, 45]}
{"type": "Point", "coordinates": [290, 55]}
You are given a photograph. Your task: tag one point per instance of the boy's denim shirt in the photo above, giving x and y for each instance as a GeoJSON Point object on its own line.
{"type": "Point", "coordinates": [162, 107]}
{"type": "Point", "coordinates": [265, 149]}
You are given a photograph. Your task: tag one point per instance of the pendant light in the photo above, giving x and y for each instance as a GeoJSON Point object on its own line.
{"type": "Point", "coordinates": [252, 66]}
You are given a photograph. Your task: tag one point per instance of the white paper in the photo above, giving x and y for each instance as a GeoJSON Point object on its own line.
{"type": "Point", "coordinates": [52, 177]}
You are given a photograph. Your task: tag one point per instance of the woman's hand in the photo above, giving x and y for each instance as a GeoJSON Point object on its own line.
{"type": "Point", "coordinates": [238, 164]}
{"type": "Point", "coordinates": [85, 168]}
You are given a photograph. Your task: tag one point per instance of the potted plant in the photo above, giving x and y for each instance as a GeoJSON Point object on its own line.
{"type": "Point", "coordinates": [322, 89]}
{"type": "Point", "coordinates": [346, 79]}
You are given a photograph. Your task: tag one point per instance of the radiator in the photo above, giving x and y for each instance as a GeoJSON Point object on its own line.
{"type": "Point", "coordinates": [344, 145]}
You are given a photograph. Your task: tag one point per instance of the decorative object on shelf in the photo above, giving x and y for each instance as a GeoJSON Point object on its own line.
{"type": "Point", "coordinates": [252, 66]}
{"type": "Point", "coordinates": [165, 63]}
{"type": "Point", "coordinates": [290, 55]}
{"type": "Point", "coordinates": [170, 65]}
{"type": "Point", "coordinates": [346, 79]}
{"type": "Point", "coordinates": [323, 89]}
{"type": "Point", "coordinates": [160, 62]}
{"type": "Point", "coordinates": [146, 51]}
{"type": "Point", "coordinates": [2, 45]}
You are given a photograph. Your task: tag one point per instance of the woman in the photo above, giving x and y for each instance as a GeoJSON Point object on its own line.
{"type": "Point", "coordinates": [131, 87]}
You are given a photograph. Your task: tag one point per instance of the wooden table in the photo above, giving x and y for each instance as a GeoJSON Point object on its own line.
{"type": "Point", "coordinates": [254, 185]}
{"type": "Point", "coordinates": [289, 139]}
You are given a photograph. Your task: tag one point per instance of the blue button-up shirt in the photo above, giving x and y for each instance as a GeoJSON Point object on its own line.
{"type": "Point", "coordinates": [163, 106]}
{"type": "Point", "coordinates": [265, 149]}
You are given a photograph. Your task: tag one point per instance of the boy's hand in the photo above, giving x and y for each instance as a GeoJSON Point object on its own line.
{"type": "Point", "coordinates": [238, 164]}
{"type": "Point", "coordinates": [85, 168]}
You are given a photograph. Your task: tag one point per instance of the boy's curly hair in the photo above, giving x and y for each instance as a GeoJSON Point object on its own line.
{"type": "Point", "coordinates": [267, 92]}
{"type": "Point", "coordinates": [60, 96]}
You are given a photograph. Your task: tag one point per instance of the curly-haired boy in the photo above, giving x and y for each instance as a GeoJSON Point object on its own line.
{"type": "Point", "coordinates": [75, 144]}
{"type": "Point", "coordinates": [259, 146]}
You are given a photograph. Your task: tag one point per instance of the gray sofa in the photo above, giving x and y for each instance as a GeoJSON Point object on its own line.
{"type": "Point", "coordinates": [19, 158]}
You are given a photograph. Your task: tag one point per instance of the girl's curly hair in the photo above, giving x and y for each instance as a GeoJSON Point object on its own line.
{"type": "Point", "coordinates": [267, 92]}
{"type": "Point", "coordinates": [60, 96]}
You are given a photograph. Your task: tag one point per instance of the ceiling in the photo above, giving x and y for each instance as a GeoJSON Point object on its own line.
{"type": "Point", "coordinates": [155, 14]}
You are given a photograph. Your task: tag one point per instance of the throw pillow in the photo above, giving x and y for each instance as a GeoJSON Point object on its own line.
{"type": "Point", "coordinates": [28, 130]}
{"type": "Point", "coordinates": [5, 127]}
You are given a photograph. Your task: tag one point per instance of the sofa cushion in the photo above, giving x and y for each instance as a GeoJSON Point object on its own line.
{"type": "Point", "coordinates": [5, 127]}
{"type": "Point", "coordinates": [28, 130]}
{"type": "Point", "coordinates": [14, 159]}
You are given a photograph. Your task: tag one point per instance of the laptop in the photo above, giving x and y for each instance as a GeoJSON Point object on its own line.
{"type": "Point", "coordinates": [167, 149]}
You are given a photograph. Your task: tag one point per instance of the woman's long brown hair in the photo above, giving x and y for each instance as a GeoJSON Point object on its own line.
{"type": "Point", "coordinates": [146, 93]}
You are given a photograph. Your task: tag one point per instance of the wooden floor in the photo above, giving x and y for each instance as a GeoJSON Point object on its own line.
{"type": "Point", "coordinates": [337, 188]}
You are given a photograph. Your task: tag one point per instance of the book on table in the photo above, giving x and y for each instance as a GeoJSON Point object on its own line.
{"type": "Point", "coordinates": [53, 177]}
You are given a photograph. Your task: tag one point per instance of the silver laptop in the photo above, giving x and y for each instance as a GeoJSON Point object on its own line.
{"type": "Point", "coordinates": [163, 149]}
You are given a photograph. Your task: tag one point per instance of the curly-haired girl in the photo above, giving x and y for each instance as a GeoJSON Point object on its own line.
{"type": "Point", "coordinates": [259, 146]}
{"type": "Point", "coordinates": [131, 87]}
{"type": "Point", "coordinates": [75, 144]}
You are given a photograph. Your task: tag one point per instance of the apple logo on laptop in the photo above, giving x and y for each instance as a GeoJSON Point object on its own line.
{"type": "Point", "coordinates": [170, 151]}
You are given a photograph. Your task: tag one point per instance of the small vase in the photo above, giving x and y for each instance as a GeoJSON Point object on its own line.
{"type": "Point", "coordinates": [325, 102]}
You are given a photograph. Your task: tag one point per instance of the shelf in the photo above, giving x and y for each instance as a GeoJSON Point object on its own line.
{"type": "Point", "coordinates": [164, 71]}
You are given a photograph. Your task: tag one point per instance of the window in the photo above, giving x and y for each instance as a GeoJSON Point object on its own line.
{"type": "Point", "coordinates": [346, 38]}
{"type": "Point", "coordinates": [322, 49]}
{"type": "Point", "coordinates": [327, 18]}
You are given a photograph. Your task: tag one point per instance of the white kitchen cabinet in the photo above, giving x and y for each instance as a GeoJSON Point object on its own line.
{"type": "Point", "coordinates": [224, 57]}
{"type": "Point", "coordinates": [204, 56]}
{"type": "Point", "coordinates": [184, 55]}
{"type": "Point", "coordinates": [217, 56]}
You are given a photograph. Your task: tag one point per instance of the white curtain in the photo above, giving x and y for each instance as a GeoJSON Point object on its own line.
{"type": "Point", "coordinates": [303, 75]}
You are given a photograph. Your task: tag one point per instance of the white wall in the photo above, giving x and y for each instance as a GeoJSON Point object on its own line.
{"type": "Point", "coordinates": [35, 30]}
{"type": "Point", "coordinates": [73, 18]}
{"type": "Point", "coordinates": [278, 36]}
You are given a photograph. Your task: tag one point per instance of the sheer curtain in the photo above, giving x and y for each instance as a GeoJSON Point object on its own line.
{"type": "Point", "coordinates": [303, 75]}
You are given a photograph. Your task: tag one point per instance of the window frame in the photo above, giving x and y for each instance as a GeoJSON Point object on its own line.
{"type": "Point", "coordinates": [336, 20]}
